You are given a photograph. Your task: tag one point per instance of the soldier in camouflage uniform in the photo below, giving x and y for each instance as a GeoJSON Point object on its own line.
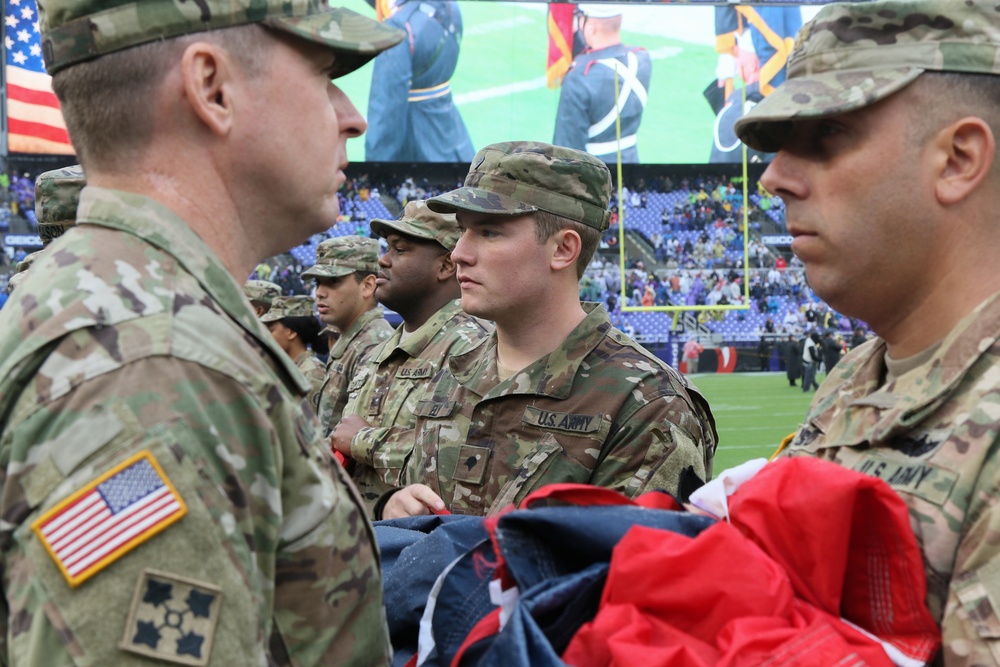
{"type": "Point", "coordinates": [909, 248]}
{"type": "Point", "coordinates": [293, 324]}
{"type": "Point", "coordinates": [555, 394]}
{"type": "Point", "coordinates": [416, 278]}
{"type": "Point", "coordinates": [57, 194]}
{"type": "Point", "coordinates": [166, 498]}
{"type": "Point", "coordinates": [260, 294]}
{"type": "Point", "coordinates": [345, 298]}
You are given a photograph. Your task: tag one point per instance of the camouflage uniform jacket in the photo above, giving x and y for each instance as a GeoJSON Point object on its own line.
{"type": "Point", "coordinates": [132, 352]}
{"type": "Point", "coordinates": [347, 357]}
{"type": "Point", "coordinates": [312, 370]}
{"type": "Point", "coordinates": [386, 390]}
{"type": "Point", "coordinates": [599, 409]}
{"type": "Point", "coordinates": [932, 434]}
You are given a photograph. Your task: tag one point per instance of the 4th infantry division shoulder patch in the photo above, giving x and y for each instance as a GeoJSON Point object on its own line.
{"type": "Point", "coordinates": [109, 517]}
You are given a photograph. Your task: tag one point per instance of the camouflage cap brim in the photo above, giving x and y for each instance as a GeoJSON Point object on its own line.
{"type": "Point", "coordinates": [385, 227]}
{"type": "Point", "coordinates": [326, 271]}
{"type": "Point", "coordinates": [75, 31]}
{"type": "Point", "coordinates": [270, 317]}
{"type": "Point", "coordinates": [356, 38]}
{"type": "Point", "coordinates": [477, 200]}
{"type": "Point", "coordinates": [767, 125]}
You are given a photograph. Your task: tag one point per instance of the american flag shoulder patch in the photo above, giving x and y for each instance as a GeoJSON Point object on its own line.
{"type": "Point", "coordinates": [110, 516]}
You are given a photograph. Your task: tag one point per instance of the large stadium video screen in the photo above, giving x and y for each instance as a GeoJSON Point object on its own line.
{"type": "Point", "coordinates": [694, 69]}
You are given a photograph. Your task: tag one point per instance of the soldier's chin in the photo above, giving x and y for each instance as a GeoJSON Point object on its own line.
{"type": "Point", "coordinates": [472, 307]}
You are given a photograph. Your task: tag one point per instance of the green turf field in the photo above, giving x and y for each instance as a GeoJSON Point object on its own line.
{"type": "Point", "coordinates": [753, 412]}
{"type": "Point", "coordinates": [499, 85]}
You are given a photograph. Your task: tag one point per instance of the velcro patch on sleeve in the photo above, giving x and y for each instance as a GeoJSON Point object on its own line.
{"type": "Point", "coordinates": [172, 618]}
{"type": "Point", "coordinates": [110, 516]}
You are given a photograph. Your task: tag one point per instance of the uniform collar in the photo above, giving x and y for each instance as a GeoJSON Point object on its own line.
{"type": "Point", "coordinates": [352, 332]}
{"type": "Point", "coordinates": [552, 375]}
{"type": "Point", "coordinates": [416, 342]}
{"type": "Point", "coordinates": [908, 399]}
{"type": "Point", "coordinates": [159, 226]}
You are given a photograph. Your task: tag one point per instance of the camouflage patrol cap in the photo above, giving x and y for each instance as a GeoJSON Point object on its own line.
{"type": "Point", "coordinates": [289, 306]}
{"type": "Point", "coordinates": [344, 255]}
{"type": "Point", "coordinates": [421, 222]}
{"type": "Point", "coordinates": [261, 291]}
{"type": "Point", "coordinates": [57, 194]}
{"type": "Point", "coordinates": [521, 177]}
{"type": "Point", "coordinates": [853, 55]}
{"type": "Point", "coordinates": [77, 30]}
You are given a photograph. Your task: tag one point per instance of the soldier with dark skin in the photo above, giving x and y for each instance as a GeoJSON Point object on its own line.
{"type": "Point", "coordinates": [416, 278]}
{"type": "Point", "coordinates": [166, 494]}
{"type": "Point", "coordinates": [555, 393]}
{"type": "Point", "coordinates": [910, 249]}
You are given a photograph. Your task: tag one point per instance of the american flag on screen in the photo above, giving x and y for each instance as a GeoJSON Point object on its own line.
{"type": "Point", "coordinates": [560, 56]}
{"type": "Point", "coordinates": [109, 517]}
{"type": "Point", "coordinates": [34, 122]}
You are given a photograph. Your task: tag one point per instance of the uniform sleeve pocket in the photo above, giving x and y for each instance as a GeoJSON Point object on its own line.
{"type": "Point", "coordinates": [979, 594]}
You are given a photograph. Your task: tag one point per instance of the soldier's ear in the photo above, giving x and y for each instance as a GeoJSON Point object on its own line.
{"type": "Point", "coordinates": [965, 151]}
{"type": "Point", "coordinates": [446, 268]}
{"type": "Point", "coordinates": [368, 286]}
{"type": "Point", "coordinates": [208, 86]}
{"type": "Point", "coordinates": [565, 245]}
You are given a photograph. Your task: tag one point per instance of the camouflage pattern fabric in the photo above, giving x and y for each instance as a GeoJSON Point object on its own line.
{"type": "Point", "coordinates": [852, 55]}
{"type": "Point", "coordinates": [932, 434]}
{"type": "Point", "coordinates": [347, 357]}
{"type": "Point", "coordinates": [385, 393]}
{"type": "Point", "coordinates": [598, 410]}
{"type": "Point", "coordinates": [421, 222]}
{"type": "Point", "coordinates": [520, 177]}
{"type": "Point", "coordinates": [314, 372]}
{"type": "Point", "coordinates": [57, 194]}
{"type": "Point", "coordinates": [298, 305]}
{"type": "Point", "coordinates": [74, 31]}
{"type": "Point", "coordinates": [131, 337]}
{"type": "Point", "coordinates": [344, 255]}
{"type": "Point", "coordinates": [20, 270]}
{"type": "Point", "coordinates": [261, 291]}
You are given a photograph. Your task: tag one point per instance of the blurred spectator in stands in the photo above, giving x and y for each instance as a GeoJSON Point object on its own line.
{"type": "Point", "coordinates": [692, 350]}
{"type": "Point", "coordinates": [793, 360]}
{"type": "Point", "coordinates": [831, 350]}
{"type": "Point", "coordinates": [858, 338]}
{"type": "Point", "coordinates": [648, 297]}
{"type": "Point", "coordinates": [812, 355]}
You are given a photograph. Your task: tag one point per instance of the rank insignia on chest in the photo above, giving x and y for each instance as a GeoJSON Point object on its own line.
{"type": "Point", "coordinates": [172, 618]}
{"type": "Point", "coordinates": [110, 516]}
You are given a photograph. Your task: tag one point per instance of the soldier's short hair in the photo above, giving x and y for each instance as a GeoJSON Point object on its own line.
{"type": "Point", "coordinates": [547, 224]}
{"type": "Point", "coordinates": [107, 102]}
